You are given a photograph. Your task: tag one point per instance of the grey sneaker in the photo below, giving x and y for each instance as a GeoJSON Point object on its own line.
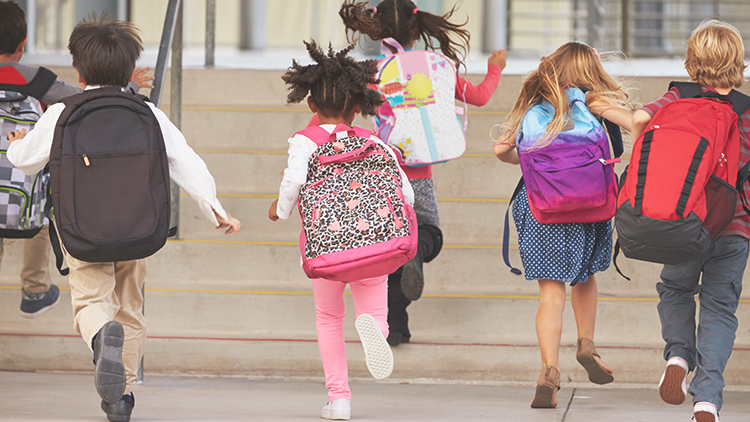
{"type": "Point", "coordinates": [35, 304]}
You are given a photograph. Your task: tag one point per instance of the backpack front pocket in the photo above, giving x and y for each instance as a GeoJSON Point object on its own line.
{"type": "Point", "coordinates": [122, 178]}
{"type": "Point", "coordinates": [721, 203]}
{"type": "Point", "coordinates": [566, 183]}
{"type": "Point", "coordinates": [14, 207]}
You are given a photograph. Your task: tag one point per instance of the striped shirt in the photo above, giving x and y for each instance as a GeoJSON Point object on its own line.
{"type": "Point", "coordinates": [740, 225]}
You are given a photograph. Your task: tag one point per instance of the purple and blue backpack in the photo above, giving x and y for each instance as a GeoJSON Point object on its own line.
{"type": "Point", "coordinates": [571, 179]}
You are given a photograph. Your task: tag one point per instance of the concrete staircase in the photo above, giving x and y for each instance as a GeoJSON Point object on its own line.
{"type": "Point", "coordinates": [241, 305]}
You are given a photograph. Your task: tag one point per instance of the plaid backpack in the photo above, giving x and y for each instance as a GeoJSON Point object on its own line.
{"type": "Point", "coordinates": [355, 221]}
{"type": "Point", "coordinates": [22, 197]}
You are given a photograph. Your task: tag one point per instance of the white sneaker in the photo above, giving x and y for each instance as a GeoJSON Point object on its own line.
{"type": "Point", "coordinates": [340, 409]}
{"type": "Point", "coordinates": [673, 383]}
{"type": "Point", "coordinates": [378, 354]}
{"type": "Point", "coordinates": [704, 411]}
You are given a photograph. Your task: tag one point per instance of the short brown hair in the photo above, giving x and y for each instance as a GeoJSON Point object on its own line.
{"type": "Point", "coordinates": [12, 26]}
{"type": "Point", "coordinates": [715, 55]}
{"type": "Point", "coordinates": [105, 51]}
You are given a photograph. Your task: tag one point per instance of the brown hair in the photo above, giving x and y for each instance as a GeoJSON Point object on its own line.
{"type": "Point", "coordinates": [574, 64]}
{"type": "Point", "coordinates": [715, 55]}
{"type": "Point", "coordinates": [336, 82]}
{"type": "Point", "coordinates": [404, 22]}
{"type": "Point", "coordinates": [12, 26]}
{"type": "Point", "coordinates": [105, 51]}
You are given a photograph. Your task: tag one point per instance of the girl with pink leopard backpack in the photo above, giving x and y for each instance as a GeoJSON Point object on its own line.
{"type": "Point", "coordinates": [569, 80]}
{"type": "Point", "coordinates": [356, 207]}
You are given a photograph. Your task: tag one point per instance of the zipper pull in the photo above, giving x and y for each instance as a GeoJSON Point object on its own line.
{"type": "Point", "coordinates": [722, 160]}
{"type": "Point", "coordinates": [86, 160]}
{"type": "Point", "coordinates": [654, 127]}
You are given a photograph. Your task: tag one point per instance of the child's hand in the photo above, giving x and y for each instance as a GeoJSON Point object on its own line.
{"type": "Point", "coordinates": [231, 222]}
{"type": "Point", "coordinates": [498, 57]}
{"type": "Point", "coordinates": [14, 136]}
{"type": "Point", "coordinates": [139, 77]}
{"type": "Point", "coordinates": [272, 211]}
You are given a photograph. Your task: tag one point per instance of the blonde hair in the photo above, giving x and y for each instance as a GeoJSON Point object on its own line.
{"type": "Point", "coordinates": [574, 64]}
{"type": "Point", "coordinates": [715, 55]}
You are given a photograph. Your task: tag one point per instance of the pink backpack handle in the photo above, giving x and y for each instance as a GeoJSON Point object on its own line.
{"type": "Point", "coordinates": [386, 42]}
{"type": "Point", "coordinates": [368, 149]}
{"type": "Point", "coordinates": [321, 136]}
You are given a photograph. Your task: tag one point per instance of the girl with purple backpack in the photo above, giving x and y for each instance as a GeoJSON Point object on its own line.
{"type": "Point", "coordinates": [338, 90]}
{"type": "Point", "coordinates": [557, 254]}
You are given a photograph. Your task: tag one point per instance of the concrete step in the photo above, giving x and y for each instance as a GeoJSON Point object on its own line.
{"type": "Point", "coordinates": [227, 264]}
{"type": "Point", "coordinates": [462, 222]}
{"type": "Point", "coordinates": [298, 357]}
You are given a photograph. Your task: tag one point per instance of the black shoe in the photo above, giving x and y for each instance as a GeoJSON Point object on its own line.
{"type": "Point", "coordinates": [394, 339]}
{"type": "Point", "coordinates": [35, 304]}
{"type": "Point", "coordinates": [412, 280]}
{"type": "Point", "coordinates": [109, 374]}
{"type": "Point", "coordinates": [120, 410]}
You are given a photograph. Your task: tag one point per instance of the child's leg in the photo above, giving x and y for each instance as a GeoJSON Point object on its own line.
{"type": "Point", "coordinates": [92, 294]}
{"type": "Point", "coordinates": [130, 276]}
{"type": "Point", "coordinates": [719, 297]}
{"type": "Point", "coordinates": [329, 323]}
{"type": "Point", "coordinates": [371, 297]}
{"type": "Point", "coordinates": [549, 321]}
{"type": "Point", "coordinates": [35, 277]}
{"type": "Point", "coordinates": [583, 298]}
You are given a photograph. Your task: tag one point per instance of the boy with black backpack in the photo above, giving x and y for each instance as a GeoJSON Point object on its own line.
{"type": "Point", "coordinates": [24, 92]}
{"type": "Point", "coordinates": [111, 155]}
{"type": "Point", "coordinates": [715, 61]}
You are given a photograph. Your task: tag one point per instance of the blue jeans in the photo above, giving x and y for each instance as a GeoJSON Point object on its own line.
{"type": "Point", "coordinates": [722, 265]}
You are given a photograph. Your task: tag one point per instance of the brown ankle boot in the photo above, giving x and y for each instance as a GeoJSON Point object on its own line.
{"type": "Point", "coordinates": [585, 356]}
{"type": "Point", "coordinates": [546, 388]}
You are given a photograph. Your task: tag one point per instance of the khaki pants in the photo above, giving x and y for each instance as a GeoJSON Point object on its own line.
{"type": "Point", "coordinates": [35, 276]}
{"type": "Point", "coordinates": [104, 291]}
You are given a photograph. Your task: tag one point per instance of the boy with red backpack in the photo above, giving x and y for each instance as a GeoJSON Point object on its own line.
{"type": "Point", "coordinates": [715, 61]}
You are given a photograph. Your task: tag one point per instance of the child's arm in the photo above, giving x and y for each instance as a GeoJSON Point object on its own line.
{"type": "Point", "coordinates": [295, 175]}
{"type": "Point", "coordinates": [189, 171]}
{"type": "Point", "coordinates": [231, 222]}
{"type": "Point", "coordinates": [479, 95]}
{"type": "Point", "coordinates": [639, 122]}
{"type": "Point", "coordinates": [618, 115]}
{"type": "Point", "coordinates": [505, 150]}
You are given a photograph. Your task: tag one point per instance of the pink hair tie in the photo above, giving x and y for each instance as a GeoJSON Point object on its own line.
{"type": "Point", "coordinates": [374, 10]}
{"type": "Point", "coordinates": [416, 10]}
{"type": "Point", "coordinates": [597, 54]}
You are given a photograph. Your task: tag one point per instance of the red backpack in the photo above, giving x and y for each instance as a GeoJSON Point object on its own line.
{"type": "Point", "coordinates": [680, 190]}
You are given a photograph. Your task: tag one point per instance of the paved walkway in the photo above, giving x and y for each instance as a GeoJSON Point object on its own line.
{"type": "Point", "coordinates": [71, 397]}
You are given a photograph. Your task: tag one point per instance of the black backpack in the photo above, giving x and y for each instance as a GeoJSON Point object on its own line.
{"type": "Point", "coordinates": [109, 177]}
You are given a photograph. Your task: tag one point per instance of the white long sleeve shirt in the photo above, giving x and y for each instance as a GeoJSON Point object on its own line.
{"type": "Point", "coordinates": [301, 148]}
{"type": "Point", "coordinates": [186, 168]}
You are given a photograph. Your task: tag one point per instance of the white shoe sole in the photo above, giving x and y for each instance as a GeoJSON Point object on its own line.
{"type": "Point", "coordinates": [378, 354]}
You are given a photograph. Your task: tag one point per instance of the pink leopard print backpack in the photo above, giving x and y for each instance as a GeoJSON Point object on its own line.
{"type": "Point", "coordinates": [355, 222]}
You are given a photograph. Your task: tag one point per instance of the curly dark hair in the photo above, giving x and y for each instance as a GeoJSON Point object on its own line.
{"type": "Point", "coordinates": [336, 82]}
{"type": "Point", "coordinates": [404, 22]}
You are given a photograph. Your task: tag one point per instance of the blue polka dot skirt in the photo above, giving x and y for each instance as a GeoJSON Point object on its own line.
{"type": "Point", "coordinates": [560, 251]}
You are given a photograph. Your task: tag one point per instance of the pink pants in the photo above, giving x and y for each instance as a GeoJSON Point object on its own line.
{"type": "Point", "coordinates": [370, 297]}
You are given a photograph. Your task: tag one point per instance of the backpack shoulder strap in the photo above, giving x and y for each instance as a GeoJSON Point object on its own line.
{"type": "Point", "coordinates": [740, 102]}
{"type": "Point", "coordinates": [687, 89]}
{"type": "Point", "coordinates": [316, 134]}
{"type": "Point", "coordinates": [38, 87]}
